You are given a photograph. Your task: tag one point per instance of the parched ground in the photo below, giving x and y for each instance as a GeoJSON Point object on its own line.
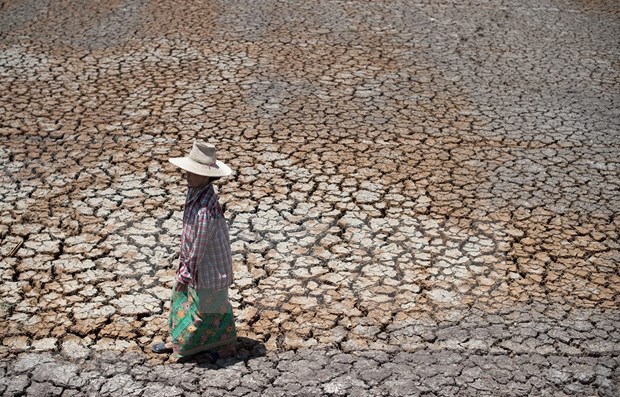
{"type": "Point", "coordinates": [426, 197]}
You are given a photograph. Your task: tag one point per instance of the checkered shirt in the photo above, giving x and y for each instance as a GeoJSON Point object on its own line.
{"type": "Point", "coordinates": [205, 258]}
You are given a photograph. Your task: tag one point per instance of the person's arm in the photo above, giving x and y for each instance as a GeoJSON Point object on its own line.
{"type": "Point", "coordinates": [189, 268]}
{"type": "Point", "coordinates": [184, 276]}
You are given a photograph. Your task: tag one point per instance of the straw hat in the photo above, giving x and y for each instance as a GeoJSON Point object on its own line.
{"type": "Point", "coordinates": [202, 161]}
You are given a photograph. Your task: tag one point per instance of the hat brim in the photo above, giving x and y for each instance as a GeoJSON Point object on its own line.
{"type": "Point", "coordinates": [219, 169]}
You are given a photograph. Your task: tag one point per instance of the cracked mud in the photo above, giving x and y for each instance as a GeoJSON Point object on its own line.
{"type": "Point", "coordinates": [425, 200]}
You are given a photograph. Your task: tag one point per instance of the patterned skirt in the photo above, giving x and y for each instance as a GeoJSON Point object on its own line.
{"type": "Point", "coordinates": [200, 320]}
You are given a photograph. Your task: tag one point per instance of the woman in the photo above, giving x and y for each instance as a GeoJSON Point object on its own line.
{"type": "Point", "coordinates": [201, 316]}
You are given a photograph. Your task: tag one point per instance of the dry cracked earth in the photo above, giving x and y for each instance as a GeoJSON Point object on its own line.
{"type": "Point", "coordinates": [426, 197]}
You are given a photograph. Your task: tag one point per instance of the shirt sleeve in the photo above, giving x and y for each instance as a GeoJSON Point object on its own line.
{"type": "Point", "coordinates": [188, 270]}
{"type": "Point", "coordinates": [183, 275]}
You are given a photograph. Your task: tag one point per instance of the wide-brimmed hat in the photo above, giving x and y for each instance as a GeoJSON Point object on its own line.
{"type": "Point", "coordinates": [202, 161]}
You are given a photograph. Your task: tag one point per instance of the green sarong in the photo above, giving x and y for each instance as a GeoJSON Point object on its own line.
{"type": "Point", "coordinates": [200, 320]}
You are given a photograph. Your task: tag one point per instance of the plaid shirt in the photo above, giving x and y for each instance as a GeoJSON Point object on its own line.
{"type": "Point", "coordinates": [205, 258]}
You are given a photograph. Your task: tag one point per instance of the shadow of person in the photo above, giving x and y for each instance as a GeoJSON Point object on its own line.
{"type": "Point", "coordinates": [247, 349]}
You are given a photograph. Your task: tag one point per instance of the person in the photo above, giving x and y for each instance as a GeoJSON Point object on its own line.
{"type": "Point", "coordinates": [201, 317]}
